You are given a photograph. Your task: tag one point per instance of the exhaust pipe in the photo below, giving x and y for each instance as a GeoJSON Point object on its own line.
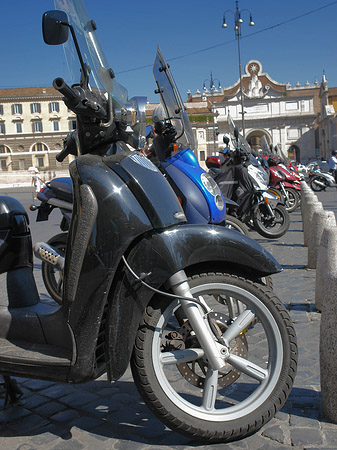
{"type": "Point", "coordinates": [49, 254]}
{"type": "Point", "coordinates": [319, 183]}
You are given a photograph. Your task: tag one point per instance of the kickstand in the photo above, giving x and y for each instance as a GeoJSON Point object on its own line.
{"type": "Point", "coordinates": [12, 391]}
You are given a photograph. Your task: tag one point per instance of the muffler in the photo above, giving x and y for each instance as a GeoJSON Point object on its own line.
{"type": "Point", "coordinates": [49, 254]}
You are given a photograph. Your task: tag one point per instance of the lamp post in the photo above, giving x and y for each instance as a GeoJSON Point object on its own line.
{"type": "Point", "coordinates": [212, 89]}
{"type": "Point", "coordinates": [237, 29]}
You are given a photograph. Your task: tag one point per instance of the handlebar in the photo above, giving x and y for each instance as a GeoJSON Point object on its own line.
{"type": "Point", "coordinates": [70, 93]}
{"type": "Point", "coordinates": [82, 101]}
{"type": "Point", "coordinates": [69, 148]}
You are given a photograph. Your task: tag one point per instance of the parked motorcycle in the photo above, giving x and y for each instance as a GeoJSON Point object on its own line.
{"type": "Point", "coordinates": [243, 179]}
{"type": "Point", "coordinates": [284, 182]}
{"type": "Point", "coordinates": [212, 350]}
{"type": "Point", "coordinates": [319, 181]}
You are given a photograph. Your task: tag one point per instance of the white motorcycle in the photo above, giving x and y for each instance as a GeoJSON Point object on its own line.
{"type": "Point", "coordinates": [319, 181]}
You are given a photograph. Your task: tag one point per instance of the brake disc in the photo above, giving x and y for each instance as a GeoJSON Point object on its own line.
{"type": "Point", "coordinates": [195, 372]}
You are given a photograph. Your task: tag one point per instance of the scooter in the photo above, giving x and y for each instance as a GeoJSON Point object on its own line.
{"type": "Point", "coordinates": [182, 303]}
{"type": "Point", "coordinates": [284, 182]}
{"type": "Point", "coordinates": [319, 181]}
{"type": "Point", "coordinates": [243, 179]}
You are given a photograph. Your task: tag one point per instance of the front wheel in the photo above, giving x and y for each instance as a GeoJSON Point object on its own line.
{"type": "Point", "coordinates": [175, 380]}
{"type": "Point", "coordinates": [235, 224]}
{"type": "Point", "coordinates": [53, 278]}
{"type": "Point", "coordinates": [269, 227]}
{"type": "Point", "coordinates": [293, 200]}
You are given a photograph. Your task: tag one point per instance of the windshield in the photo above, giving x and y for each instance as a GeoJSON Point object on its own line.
{"type": "Point", "coordinates": [173, 106]}
{"type": "Point", "coordinates": [241, 140]}
{"type": "Point", "coordinates": [92, 53]}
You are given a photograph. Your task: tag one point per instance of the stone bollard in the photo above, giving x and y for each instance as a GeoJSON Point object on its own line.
{"type": "Point", "coordinates": [326, 265]}
{"type": "Point", "coordinates": [305, 198]}
{"type": "Point", "coordinates": [328, 345]}
{"type": "Point", "coordinates": [310, 208]}
{"type": "Point", "coordinates": [320, 220]}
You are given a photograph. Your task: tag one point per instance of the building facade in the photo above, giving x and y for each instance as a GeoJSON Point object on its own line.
{"type": "Point", "coordinates": [33, 124]}
{"type": "Point", "coordinates": [297, 122]}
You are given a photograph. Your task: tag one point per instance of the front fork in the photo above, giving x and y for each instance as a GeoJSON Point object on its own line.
{"type": "Point", "coordinates": [285, 193]}
{"type": "Point", "coordinates": [264, 200]}
{"type": "Point", "coordinates": [215, 352]}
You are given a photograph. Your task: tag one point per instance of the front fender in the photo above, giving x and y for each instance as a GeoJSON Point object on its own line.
{"type": "Point", "coordinates": [156, 258]}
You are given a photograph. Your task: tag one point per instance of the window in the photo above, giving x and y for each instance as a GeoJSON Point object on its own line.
{"type": "Point", "coordinates": [37, 126]}
{"type": "Point", "coordinates": [3, 164]}
{"type": "Point", "coordinates": [54, 107]}
{"type": "Point", "coordinates": [2, 128]}
{"type": "Point", "coordinates": [4, 149]}
{"type": "Point", "coordinates": [56, 125]}
{"type": "Point", "coordinates": [72, 125]}
{"type": "Point", "coordinates": [18, 127]}
{"type": "Point", "coordinates": [35, 108]}
{"type": "Point", "coordinates": [1, 110]}
{"type": "Point", "coordinates": [39, 147]}
{"type": "Point", "coordinates": [202, 155]}
{"type": "Point", "coordinates": [40, 161]}
{"type": "Point", "coordinates": [22, 164]}
{"type": "Point", "coordinates": [16, 108]}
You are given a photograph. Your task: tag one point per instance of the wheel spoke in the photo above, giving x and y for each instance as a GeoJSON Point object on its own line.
{"type": "Point", "coordinates": [240, 323]}
{"type": "Point", "coordinates": [248, 367]}
{"type": "Point", "coordinates": [210, 390]}
{"type": "Point", "coordinates": [181, 356]}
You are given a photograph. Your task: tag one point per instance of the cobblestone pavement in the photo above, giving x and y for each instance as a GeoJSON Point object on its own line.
{"type": "Point", "coordinates": [98, 415]}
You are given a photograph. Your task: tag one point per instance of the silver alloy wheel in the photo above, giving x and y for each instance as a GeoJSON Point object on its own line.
{"type": "Point", "coordinates": [260, 372]}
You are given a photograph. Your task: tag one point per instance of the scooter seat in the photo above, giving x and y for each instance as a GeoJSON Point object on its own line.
{"type": "Point", "coordinates": [63, 188]}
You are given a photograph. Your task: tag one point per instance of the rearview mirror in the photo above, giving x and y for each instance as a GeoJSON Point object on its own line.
{"type": "Point", "coordinates": [55, 27]}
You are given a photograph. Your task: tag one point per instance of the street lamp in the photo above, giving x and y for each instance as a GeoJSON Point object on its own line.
{"type": "Point", "coordinates": [212, 89]}
{"type": "Point", "coordinates": [237, 29]}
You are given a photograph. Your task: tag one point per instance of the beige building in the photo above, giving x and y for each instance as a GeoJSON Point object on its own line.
{"type": "Point", "coordinates": [300, 121]}
{"type": "Point", "coordinates": [33, 124]}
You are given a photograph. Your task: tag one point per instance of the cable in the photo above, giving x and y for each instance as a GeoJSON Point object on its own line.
{"type": "Point", "coordinates": [180, 297]}
{"type": "Point", "coordinates": [233, 40]}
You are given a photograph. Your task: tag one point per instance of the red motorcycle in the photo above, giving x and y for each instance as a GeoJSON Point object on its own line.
{"type": "Point", "coordinates": [285, 182]}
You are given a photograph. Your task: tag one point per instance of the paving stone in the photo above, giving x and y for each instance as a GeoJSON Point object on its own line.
{"type": "Point", "coordinates": [275, 433]}
{"type": "Point", "coordinates": [305, 436]}
{"type": "Point", "coordinates": [28, 425]}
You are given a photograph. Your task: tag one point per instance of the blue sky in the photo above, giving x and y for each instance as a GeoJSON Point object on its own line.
{"type": "Point", "coordinates": [190, 36]}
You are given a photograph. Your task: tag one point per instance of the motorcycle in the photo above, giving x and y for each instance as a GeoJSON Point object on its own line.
{"type": "Point", "coordinates": [285, 182]}
{"type": "Point", "coordinates": [212, 350]}
{"type": "Point", "coordinates": [243, 179]}
{"type": "Point", "coordinates": [319, 181]}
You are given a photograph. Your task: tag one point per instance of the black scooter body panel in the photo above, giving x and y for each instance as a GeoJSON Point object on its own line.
{"type": "Point", "coordinates": [122, 224]}
{"type": "Point", "coordinates": [126, 211]}
{"type": "Point", "coordinates": [160, 255]}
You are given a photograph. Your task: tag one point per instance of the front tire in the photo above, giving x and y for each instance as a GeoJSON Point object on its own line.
{"type": "Point", "coordinates": [235, 224]}
{"type": "Point", "coordinates": [272, 229]}
{"type": "Point", "coordinates": [181, 394]}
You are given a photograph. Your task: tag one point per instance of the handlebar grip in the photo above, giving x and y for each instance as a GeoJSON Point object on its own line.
{"type": "Point", "coordinates": [61, 86]}
{"type": "Point", "coordinates": [63, 154]}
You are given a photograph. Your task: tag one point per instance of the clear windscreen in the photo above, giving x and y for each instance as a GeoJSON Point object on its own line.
{"type": "Point", "coordinates": [173, 107]}
{"type": "Point", "coordinates": [92, 52]}
{"type": "Point", "coordinates": [241, 140]}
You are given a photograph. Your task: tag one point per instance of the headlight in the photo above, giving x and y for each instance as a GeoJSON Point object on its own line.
{"type": "Point", "coordinates": [211, 186]}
